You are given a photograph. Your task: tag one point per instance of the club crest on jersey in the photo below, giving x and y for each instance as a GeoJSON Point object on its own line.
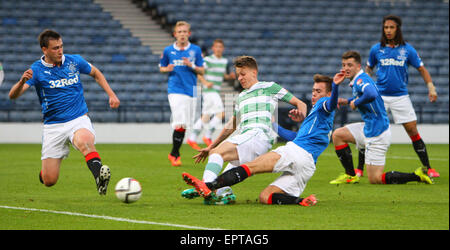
{"type": "Point", "coordinates": [402, 54]}
{"type": "Point", "coordinates": [191, 55]}
{"type": "Point", "coordinates": [73, 69]}
{"type": "Point", "coordinates": [359, 82]}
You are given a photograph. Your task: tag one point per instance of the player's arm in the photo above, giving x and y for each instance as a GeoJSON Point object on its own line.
{"type": "Point", "coordinates": [333, 102]}
{"type": "Point", "coordinates": [230, 76]}
{"type": "Point", "coordinates": [164, 63]}
{"type": "Point", "coordinates": [369, 94]}
{"type": "Point", "coordinates": [227, 130]}
{"type": "Point", "coordinates": [20, 87]}
{"type": "Point", "coordinates": [369, 70]}
{"type": "Point", "coordinates": [432, 94]}
{"type": "Point", "coordinates": [372, 60]}
{"type": "Point", "coordinates": [199, 70]}
{"type": "Point", "coordinates": [286, 134]}
{"type": "Point", "coordinates": [114, 102]}
{"type": "Point", "coordinates": [166, 69]}
{"type": "Point", "coordinates": [301, 107]}
{"type": "Point", "coordinates": [204, 82]}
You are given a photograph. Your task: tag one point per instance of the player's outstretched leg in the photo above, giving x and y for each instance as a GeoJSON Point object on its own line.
{"type": "Point", "coordinates": [422, 174]}
{"type": "Point", "coordinates": [199, 185]}
{"type": "Point", "coordinates": [101, 173]}
{"type": "Point", "coordinates": [103, 179]}
{"type": "Point", "coordinates": [394, 177]}
{"type": "Point", "coordinates": [190, 193]}
{"type": "Point", "coordinates": [308, 201]}
{"type": "Point", "coordinates": [286, 199]}
{"type": "Point", "coordinates": [222, 196]}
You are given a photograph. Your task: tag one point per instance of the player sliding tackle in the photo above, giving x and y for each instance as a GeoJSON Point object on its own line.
{"type": "Point", "coordinates": [255, 106]}
{"type": "Point", "coordinates": [296, 160]}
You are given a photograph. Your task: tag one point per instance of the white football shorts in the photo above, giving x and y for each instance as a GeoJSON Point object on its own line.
{"type": "Point", "coordinates": [357, 131]}
{"type": "Point", "coordinates": [401, 108]}
{"type": "Point", "coordinates": [183, 110]}
{"type": "Point", "coordinates": [57, 137]}
{"type": "Point", "coordinates": [250, 145]}
{"type": "Point", "coordinates": [297, 167]}
{"type": "Point", "coordinates": [375, 147]}
{"type": "Point", "coordinates": [211, 103]}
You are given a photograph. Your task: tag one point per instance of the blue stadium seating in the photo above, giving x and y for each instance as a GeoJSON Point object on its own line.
{"type": "Point", "coordinates": [86, 30]}
{"type": "Point", "coordinates": [291, 39]}
{"type": "Point", "coordinates": [278, 33]}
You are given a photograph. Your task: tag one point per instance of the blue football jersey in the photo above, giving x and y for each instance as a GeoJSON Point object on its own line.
{"type": "Point", "coordinates": [315, 131]}
{"type": "Point", "coordinates": [373, 113]}
{"type": "Point", "coordinates": [59, 88]}
{"type": "Point", "coordinates": [183, 79]}
{"type": "Point", "coordinates": [392, 64]}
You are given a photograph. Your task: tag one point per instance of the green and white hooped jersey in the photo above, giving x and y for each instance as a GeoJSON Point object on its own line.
{"type": "Point", "coordinates": [255, 106]}
{"type": "Point", "coordinates": [215, 68]}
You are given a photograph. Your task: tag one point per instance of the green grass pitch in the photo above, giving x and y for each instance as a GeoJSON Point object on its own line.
{"type": "Point", "coordinates": [73, 202]}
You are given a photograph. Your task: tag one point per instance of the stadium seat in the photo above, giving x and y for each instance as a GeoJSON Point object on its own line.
{"type": "Point", "coordinates": [286, 38]}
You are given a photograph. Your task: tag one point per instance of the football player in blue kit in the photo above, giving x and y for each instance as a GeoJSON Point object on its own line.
{"type": "Point", "coordinates": [56, 78]}
{"type": "Point", "coordinates": [182, 61]}
{"type": "Point", "coordinates": [374, 132]}
{"type": "Point", "coordinates": [296, 160]}
{"type": "Point", "coordinates": [392, 56]}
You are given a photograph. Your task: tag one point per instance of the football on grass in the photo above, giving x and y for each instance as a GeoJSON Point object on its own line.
{"type": "Point", "coordinates": [128, 190]}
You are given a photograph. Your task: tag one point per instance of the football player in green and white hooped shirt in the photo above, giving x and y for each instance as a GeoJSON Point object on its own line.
{"type": "Point", "coordinates": [255, 106]}
{"type": "Point", "coordinates": [215, 72]}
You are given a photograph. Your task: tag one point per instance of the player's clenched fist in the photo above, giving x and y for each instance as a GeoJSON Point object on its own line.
{"type": "Point", "coordinates": [27, 75]}
{"type": "Point", "coordinates": [114, 102]}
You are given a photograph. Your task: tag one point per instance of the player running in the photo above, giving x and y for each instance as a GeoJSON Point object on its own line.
{"type": "Point", "coordinates": [56, 78]}
{"type": "Point", "coordinates": [215, 73]}
{"type": "Point", "coordinates": [182, 61]}
{"type": "Point", "coordinates": [374, 132]}
{"type": "Point", "coordinates": [392, 56]}
{"type": "Point", "coordinates": [254, 108]}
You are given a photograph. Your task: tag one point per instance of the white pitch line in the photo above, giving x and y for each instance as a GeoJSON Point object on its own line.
{"type": "Point", "coordinates": [108, 218]}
